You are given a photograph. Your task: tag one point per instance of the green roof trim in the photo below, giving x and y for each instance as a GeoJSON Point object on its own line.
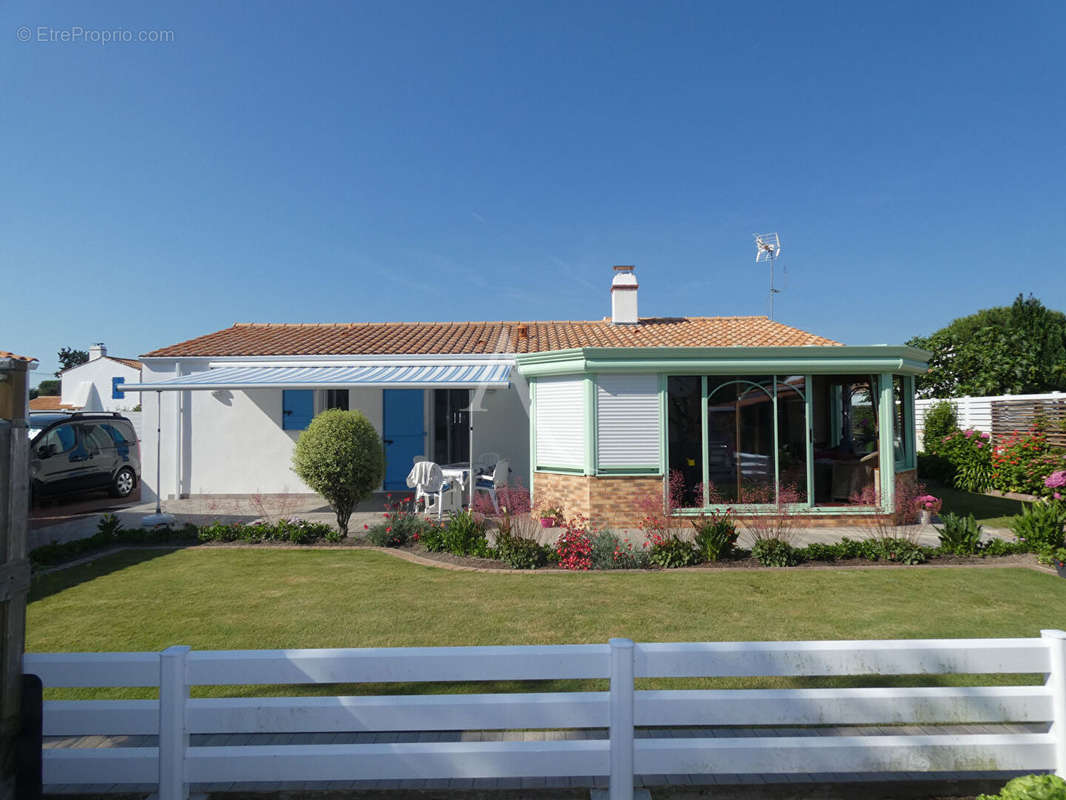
{"type": "Point", "coordinates": [813, 360]}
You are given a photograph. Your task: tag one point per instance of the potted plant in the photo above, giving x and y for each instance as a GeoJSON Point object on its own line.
{"type": "Point", "coordinates": [1056, 558]}
{"type": "Point", "coordinates": [928, 505]}
{"type": "Point", "coordinates": [551, 517]}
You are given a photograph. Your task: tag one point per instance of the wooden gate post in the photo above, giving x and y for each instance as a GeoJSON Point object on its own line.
{"type": "Point", "coordinates": [14, 567]}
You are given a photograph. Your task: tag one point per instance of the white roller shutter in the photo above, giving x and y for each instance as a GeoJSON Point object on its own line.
{"type": "Point", "coordinates": [560, 422]}
{"type": "Point", "coordinates": [627, 413]}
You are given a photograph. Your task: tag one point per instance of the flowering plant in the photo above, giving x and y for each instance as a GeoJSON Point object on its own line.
{"type": "Point", "coordinates": [928, 502]}
{"type": "Point", "coordinates": [1056, 481]}
{"type": "Point", "coordinates": [1022, 462]}
{"type": "Point", "coordinates": [574, 546]}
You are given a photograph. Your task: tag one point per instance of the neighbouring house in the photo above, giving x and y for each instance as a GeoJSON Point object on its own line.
{"type": "Point", "coordinates": [48, 402]}
{"type": "Point", "coordinates": [595, 416]}
{"type": "Point", "coordinates": [97, 385]}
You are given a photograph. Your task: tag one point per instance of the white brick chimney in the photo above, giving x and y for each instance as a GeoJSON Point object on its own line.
{"type": "Point", "coordinates": [624, 297]}
{"type": "Point", "coordinates": [96, 351]}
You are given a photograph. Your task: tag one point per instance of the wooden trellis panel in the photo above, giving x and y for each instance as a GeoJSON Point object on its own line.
{"type": "Point", "coordinates": [1030, 415]}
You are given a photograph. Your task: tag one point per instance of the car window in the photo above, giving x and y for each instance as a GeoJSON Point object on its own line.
{"type": "Point", "coordinates": [94, 439]}
{"type": "Point", "coordinates": [58, 440]}
{"type": "Point", "coordinates": [116, 434]}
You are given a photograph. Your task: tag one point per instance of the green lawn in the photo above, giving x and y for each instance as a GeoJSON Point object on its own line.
{"type": "Point", "coordinates": [235, 599]}
{"type": "Point", "coordinates": [994, 512]}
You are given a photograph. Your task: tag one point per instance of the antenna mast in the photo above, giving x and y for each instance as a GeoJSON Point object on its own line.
{"type": "Point", "coordinates": [768, 248]}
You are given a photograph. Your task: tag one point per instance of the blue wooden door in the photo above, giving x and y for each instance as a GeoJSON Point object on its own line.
{"type": "Point", "coordinates": [404, 434]}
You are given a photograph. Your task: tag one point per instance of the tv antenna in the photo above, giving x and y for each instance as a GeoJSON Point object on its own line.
{"type": "Point", "coordinates": [768, 248]}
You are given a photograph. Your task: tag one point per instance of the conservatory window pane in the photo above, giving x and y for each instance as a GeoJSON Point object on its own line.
{"type": "Point", "coordinates": [845, 439]}
{"type": "Point", "coordinates": [684, 396]}
{"type": "Point", "coordinates": [740, 419]}
{"type": "Point", "coordinates": [792, 438]}
{"type": "Point", "coordinates": [899, 430]}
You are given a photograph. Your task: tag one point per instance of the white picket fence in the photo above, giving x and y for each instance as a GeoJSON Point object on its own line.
{"type": "Point", "coordinates": [972, 412]}
{"type": "Point", "coordinates": [175, 765]}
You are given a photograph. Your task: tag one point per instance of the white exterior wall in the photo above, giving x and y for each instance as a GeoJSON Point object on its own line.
{"type": "Point", "coordinates": [232, 442]}
{"type": "Point", "coordinates": [503, 426]}
{"type": "Point", "coordinates": [99, 372]}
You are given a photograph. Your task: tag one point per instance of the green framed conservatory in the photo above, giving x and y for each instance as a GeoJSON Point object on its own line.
{"type": "Point", "coordinates": [825, 431]}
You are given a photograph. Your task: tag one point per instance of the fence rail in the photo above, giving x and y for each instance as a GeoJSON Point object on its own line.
{"type": "Point", "coordinates": [1001, 415]}
{"type": "Point", "coordinates": [174, 764]}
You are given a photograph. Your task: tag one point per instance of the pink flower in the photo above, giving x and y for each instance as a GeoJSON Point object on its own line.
{"type": "Point", "coordinates": [986, 435]}
{"type": "Point", "coordinates": [969, 433]}
{"type": "Point", "coordinates": [980, 445]}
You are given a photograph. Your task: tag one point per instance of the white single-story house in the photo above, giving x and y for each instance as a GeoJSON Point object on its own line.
{"type": "Point", "coordinates": [98, 384]}
{"type": "Point", "coordinates": [592, 415]}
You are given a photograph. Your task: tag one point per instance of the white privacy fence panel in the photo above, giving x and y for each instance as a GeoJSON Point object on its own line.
{"type": "Point", "coordinates": [175, 765]}
{"type": "Point", "coordinates": [627, 420]}
{"type": "Point", "coordinates": [559, 422]}
{"type": "Point", "coordinates": [972, 412]}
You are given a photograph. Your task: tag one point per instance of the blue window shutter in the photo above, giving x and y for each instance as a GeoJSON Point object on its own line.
{"type": "Point", "coordinates": [116, 393]}
{"type": "Point", "coordinates": [297, 408]}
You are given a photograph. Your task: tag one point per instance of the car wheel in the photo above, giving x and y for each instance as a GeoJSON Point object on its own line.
{"type": "Point", "coordinates": [123, 483]}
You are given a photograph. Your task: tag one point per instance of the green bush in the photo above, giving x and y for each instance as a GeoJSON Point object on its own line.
{"type": "Point", "coordinates": [671, 552]}
{"type": "Point", "coordinates": [1040, 525]}
{"type": "Point", "coordinates": [970, 454]}
{"type": "Point", "coordinates": [291, 531]}
{"type": "Point", "coordinates": [107, 536]}
{"type": "Point", "coordinates": [775, 553]}
{"type": "Point", "coordinates": [464, 535]}
{"type": "Point", "coordinates": [340, 456]}
{"type": "Point", "coordinates": [521, 553]}
{"type": "Point", "coordinates": [1001, 547]}
{"type": "Point", "coordinates": [401, 525]}
{"type": "Point", "coordinates": [609, 551]}
{"type": "Point", "coordinates": [1052, 556]}
{"type": "Point", "coordinates": [940, 420]}
{"type": "Point", "coordinates": [960, 535]}
{"type": "Point", "coordinates": [1022, 463]}
{"type": "Point", "coordinates": [817, 551]}
{"type": "Point", "coordinates": [716, 535]}
{"type": "Point", "coordinates": [936, 468]}
{"type": "Point", "coordinates": [1031, 787]}
{"type": "Point", "coordinates": [901, 551]}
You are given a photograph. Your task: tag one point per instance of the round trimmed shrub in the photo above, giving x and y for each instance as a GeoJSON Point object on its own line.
{"type": "Point", "coordinates": [340, 456]}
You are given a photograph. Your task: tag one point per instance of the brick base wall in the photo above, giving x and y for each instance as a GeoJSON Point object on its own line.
{"type": "Point", "coordinates": [612, 501]}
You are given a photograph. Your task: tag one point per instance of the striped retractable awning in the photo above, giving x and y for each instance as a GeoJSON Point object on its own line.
{"type": "Point", "coordinates": [425, 376]}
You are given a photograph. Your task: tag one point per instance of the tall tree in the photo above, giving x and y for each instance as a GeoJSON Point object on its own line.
{"type": "Point", "coordinates": [69, 357]}
{"type": "Point", "coordinates": [1015, 349]}
{"type": "Point", "coordinates": [49, 388]}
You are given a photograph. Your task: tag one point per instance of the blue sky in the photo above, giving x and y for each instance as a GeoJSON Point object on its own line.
{"type": "Point", "coordinates": [353, 161]}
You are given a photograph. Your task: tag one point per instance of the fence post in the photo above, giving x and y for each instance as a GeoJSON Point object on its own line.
{"type": "Point", "coordinates": [621, 720]}
{"type": "Point", "coordinates": [1056, 642]}
{"type": "Point", "coordinates": [173, 730]}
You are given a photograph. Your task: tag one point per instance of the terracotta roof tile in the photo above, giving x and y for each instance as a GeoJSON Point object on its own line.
{"type": "Point", "coordinates": [48, 403]}
{"type": "Point", "coordinates": [13, 357]}
{"type": "Point", "coordinates": [455, 338]}
{"type": "Point", "coordinates": [129, 362]}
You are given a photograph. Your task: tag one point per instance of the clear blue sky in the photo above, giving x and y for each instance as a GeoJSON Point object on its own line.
{"type": "Point", "coordinates": [448, 160]}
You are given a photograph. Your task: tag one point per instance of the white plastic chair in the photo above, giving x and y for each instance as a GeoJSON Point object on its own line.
{"type": "Point", "coordinates": [499, 478]}
{"type": "Point", "coordinates": [428, 482]}
{"type": "Point", "coordinates": [487, 460]}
